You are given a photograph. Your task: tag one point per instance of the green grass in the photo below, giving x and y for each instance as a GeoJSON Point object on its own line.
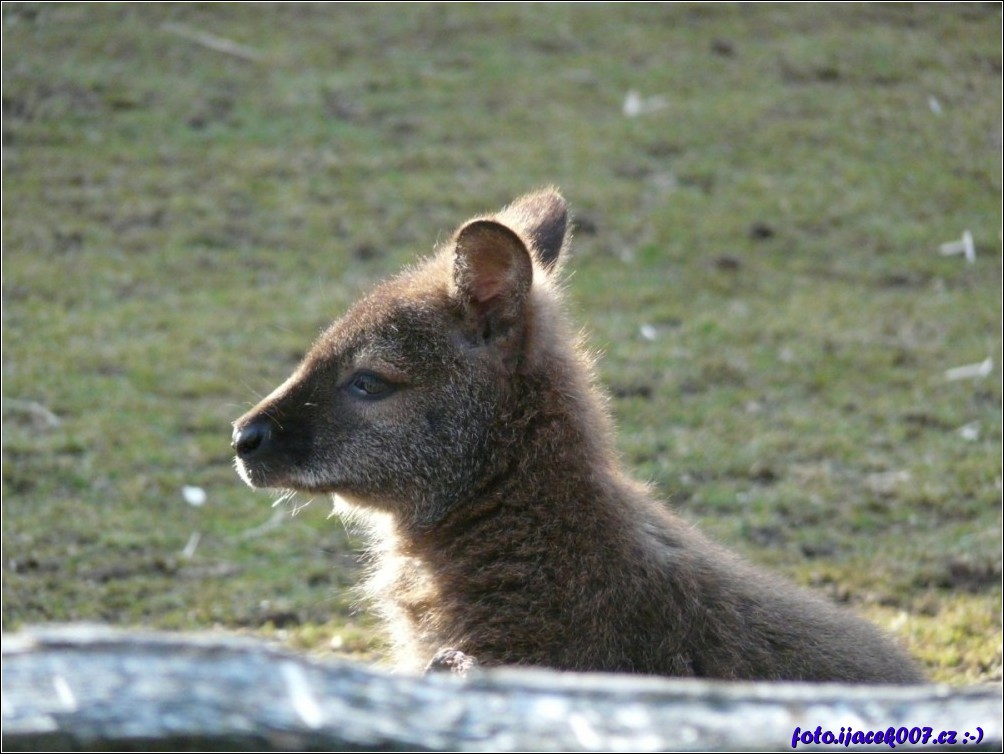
{"type": "Point", "coordinates": [179, 222]}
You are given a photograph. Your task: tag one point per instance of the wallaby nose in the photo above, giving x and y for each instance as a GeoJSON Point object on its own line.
{"type": "Point", "coordinates": [251, 438]}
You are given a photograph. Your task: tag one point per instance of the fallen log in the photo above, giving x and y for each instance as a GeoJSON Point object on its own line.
{"type": "Point", "coordinates": [86, 687]}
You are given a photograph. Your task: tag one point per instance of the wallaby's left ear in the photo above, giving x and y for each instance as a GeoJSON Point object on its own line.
{"type": "Point", "coordinates": [542, 217]}
{"type": "Point", "coordinates": [493, 274]}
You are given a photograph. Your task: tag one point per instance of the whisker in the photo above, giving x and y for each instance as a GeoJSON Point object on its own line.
{"type": "Point", "coordinates": [269, 412]}
{"type": "Point", "coordinates": [284, 497]}
{"type": "Point", "coordinates": [298, 508]}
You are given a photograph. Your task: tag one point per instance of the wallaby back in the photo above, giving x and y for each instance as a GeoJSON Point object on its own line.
{"type": "Point", "coordinates": [453, 413]}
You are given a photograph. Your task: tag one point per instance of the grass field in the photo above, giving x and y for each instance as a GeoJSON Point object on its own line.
{"type": "Point", "coordinates": [190, 192]}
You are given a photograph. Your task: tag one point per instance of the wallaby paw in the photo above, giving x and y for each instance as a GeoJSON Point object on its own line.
{"type": "Point", "coordinates": [451, 661]}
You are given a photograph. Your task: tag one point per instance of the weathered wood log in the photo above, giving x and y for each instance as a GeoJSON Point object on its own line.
{"type": "Point", "coordinates": [82, 687]}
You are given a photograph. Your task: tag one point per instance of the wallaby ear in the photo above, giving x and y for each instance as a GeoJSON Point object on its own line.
{"type": "Point", "coordinates": [493, 274]}
{"type": "Point", "coordinates": [542, 217]}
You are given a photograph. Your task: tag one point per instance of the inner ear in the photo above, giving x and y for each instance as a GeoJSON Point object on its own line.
{"type": "Point", "coordinates": [493, 274]}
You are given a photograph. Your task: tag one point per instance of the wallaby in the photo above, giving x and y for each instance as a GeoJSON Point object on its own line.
{"type": "Point", "coordinates": [454, 413]}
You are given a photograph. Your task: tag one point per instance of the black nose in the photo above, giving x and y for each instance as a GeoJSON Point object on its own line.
{"type": "Point", "coordinates": [251, 438]}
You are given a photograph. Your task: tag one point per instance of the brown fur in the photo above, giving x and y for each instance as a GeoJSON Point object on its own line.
{"type": "Point", "coordinates": [453, 412]}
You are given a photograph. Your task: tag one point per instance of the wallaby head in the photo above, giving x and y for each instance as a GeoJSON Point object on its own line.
{"type": "Point", "coordinates": [408, 402]}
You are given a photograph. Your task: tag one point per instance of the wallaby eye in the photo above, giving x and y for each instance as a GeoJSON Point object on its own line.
{"type": "Point", "coordinates": [368, 385]}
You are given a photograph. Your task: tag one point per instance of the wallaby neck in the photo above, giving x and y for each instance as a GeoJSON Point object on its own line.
{"type": "Point", "coordinates": [554, 465]}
